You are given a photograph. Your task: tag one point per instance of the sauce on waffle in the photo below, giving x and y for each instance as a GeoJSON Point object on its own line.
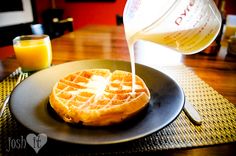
{"type": "Point", "coordinates": [98, 97]}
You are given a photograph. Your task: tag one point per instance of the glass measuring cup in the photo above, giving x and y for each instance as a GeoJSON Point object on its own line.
{"type": "Point", "coordinates": [187, 26]}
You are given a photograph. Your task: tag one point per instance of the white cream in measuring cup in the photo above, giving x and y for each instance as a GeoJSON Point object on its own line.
{"type": "Point", "coordinates": [188, 26]}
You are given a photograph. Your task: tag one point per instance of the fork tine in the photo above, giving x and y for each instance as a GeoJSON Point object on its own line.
{"type": "Point", "coordinates": [19, 79]}
{"type": "Point", "coordinates": [16, 72]}
{"type": "Point", "coordinates": [25, 75]}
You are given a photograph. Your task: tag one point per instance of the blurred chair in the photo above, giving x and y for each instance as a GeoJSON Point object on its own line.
{"type": "Point", "coordinates": [119, 19]}
{"type": "Point", "coordinates": [54, 23]}
{"type": "Point", "coordinates": [62, 26]}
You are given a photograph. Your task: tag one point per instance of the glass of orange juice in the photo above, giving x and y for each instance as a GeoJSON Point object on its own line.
{"type": "Point", "coordinates": [33, 52]}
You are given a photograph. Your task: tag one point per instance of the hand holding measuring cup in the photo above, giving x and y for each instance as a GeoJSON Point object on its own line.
{"type": "Point", "coordinates": [33, 52]}
{"type": "Point", "coordinates": [187, 26]}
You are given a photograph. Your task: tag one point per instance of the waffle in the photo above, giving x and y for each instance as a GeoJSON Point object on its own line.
{"type": "Point", "coordinates": [98, 97]}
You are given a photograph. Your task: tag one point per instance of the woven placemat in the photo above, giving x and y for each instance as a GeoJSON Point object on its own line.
{"type": "Point", "coordinates": [219, 124]}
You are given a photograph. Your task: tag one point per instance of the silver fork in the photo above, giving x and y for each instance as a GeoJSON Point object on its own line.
{"type": "Point", "coordinates": [21, 77]}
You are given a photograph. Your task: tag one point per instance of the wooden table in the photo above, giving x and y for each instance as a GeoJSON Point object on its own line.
{"type": "Point", "coordinates": [108, 42]}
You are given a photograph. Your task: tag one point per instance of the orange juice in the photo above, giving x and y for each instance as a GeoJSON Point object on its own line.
{"type": "Point", "coordinates": [33, 53]}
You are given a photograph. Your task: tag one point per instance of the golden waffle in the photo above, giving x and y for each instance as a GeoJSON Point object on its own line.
{"type": "Point", "coordinates": [98, 97]}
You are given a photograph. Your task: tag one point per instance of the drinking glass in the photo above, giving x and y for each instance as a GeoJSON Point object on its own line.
{"type": "Point", "coordinates": [33, 52]}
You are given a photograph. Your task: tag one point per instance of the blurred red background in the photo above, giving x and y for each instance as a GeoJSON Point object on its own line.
{"type": "Point", "coordinates": [84, 13]}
